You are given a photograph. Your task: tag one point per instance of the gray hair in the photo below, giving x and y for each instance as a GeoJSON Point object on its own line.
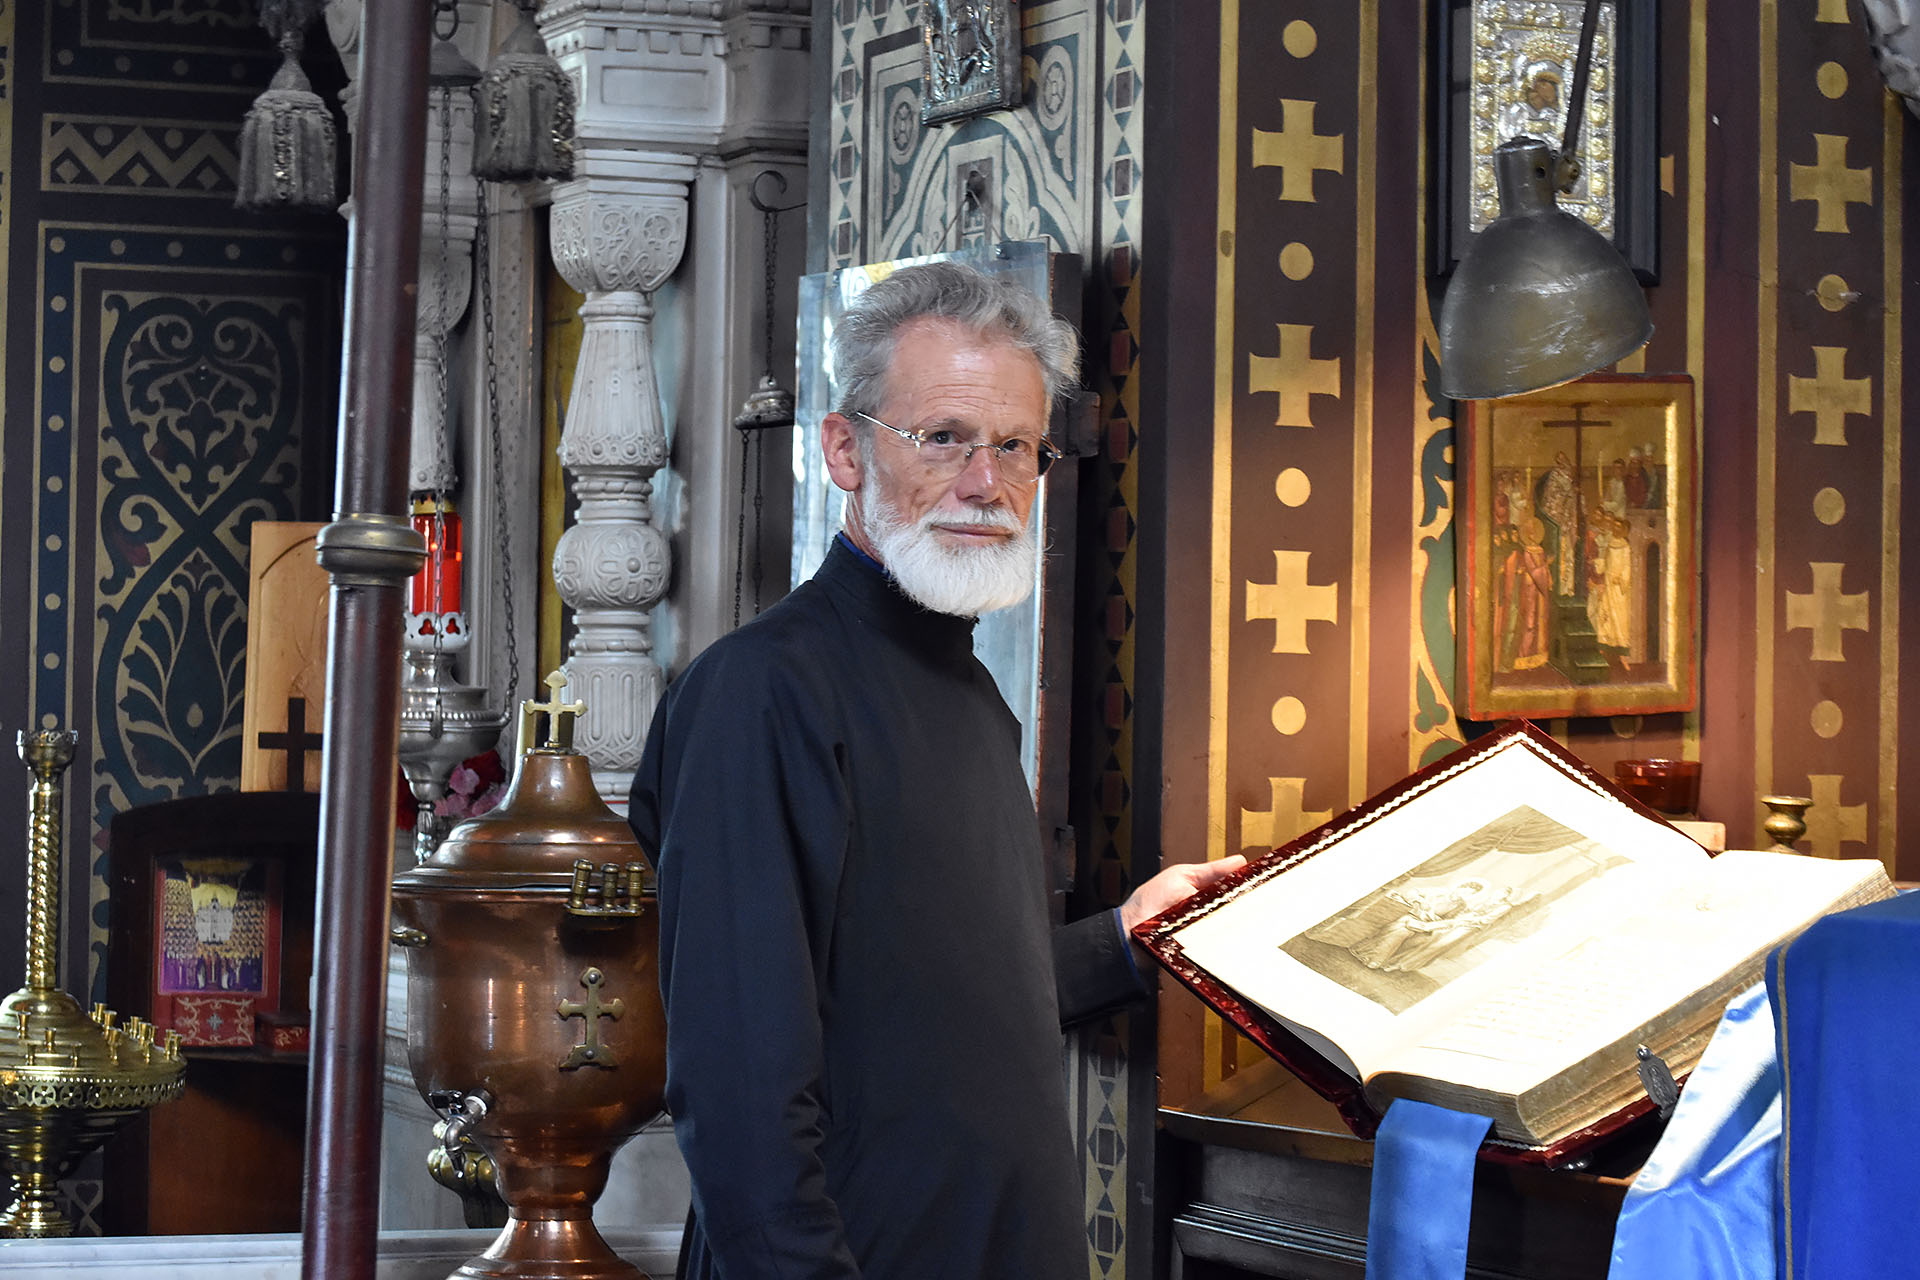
{"type": "Point", "coordinates": [993, 306]}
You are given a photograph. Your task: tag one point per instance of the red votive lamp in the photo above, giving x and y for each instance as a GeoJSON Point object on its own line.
{"type": "Point", "coordinates": [436, 588]}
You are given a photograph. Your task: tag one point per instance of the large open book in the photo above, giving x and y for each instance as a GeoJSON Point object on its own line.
{"type": "Point", "coordinates": [1499, 933]}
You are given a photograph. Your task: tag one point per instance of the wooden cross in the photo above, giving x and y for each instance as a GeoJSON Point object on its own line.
{"type": "Point", "coordinates": [1295, 374]}
{"type": "Point", "coordinates": [558, 717]}
{"type": "Point", "coordinates": [1287, 819]}
{"type": "Point", "coordinates": [1829, 395]}
{"type": "Point", "coordinates": [1828, 821]}
{"type": "Point", "coordinates": [1297, 151]}
{"type": "Point", "coordinates": [1827, 611]}
{"type": "Point", "coordinates": [296, 742]}
{"type": "Point", "coordinates": [1829, 183]}
{"type": "Point", "coordinates": [591, 1053]}
{"type": "Point", "coordinates": [1290, 602]}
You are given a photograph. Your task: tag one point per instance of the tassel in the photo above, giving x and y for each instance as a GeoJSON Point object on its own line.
{"type": "Point", "coordinates": [523, 118]}
{"type": "Point", "coordinates": [287, 144]}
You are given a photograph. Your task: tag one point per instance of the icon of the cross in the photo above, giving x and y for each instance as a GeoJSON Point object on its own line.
{"type": "Point", "coordinates": [296, 742]}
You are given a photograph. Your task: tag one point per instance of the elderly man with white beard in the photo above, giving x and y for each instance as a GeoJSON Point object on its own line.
{"type": "Point", "coordinates": [864, 994]}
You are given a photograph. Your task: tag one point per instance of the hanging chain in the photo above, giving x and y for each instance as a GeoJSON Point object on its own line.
{"type": "Point", "coordinates": [770, 248]}
{"type": "Point", "coordinates": [435, 602]}
{"type": "Point", "coordinates": [747, 441]}
{"type": "Point", "coordinates": [502, 518]}
{"type": "Point", "coordinates": [448, 12]}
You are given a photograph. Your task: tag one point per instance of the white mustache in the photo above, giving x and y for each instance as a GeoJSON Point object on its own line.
{"type": "Point", "coordinates": [991, 517]}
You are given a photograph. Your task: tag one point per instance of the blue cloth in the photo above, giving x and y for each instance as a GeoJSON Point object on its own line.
{"type": "Point", "coordinates": [1422, 1200]}
{"type": "Point", "coordinates": [1846, 1001]}
{"type": "Point", "coordinates": [1703, 1205]}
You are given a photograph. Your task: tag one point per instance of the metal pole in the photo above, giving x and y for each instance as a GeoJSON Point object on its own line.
{"type": "Point", "coordinates": [370, 550]}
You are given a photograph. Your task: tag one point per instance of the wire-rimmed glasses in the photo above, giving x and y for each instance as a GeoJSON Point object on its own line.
{"type": "Point", "coordinates": [1017, 459]}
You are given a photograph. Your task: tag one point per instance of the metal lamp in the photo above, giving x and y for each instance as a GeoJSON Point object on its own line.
{"type": "Point", "coordinates": [1540, 297]}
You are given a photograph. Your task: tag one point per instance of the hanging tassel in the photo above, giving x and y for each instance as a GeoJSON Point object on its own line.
{"type": "Point", "coordinates": [523, 119]}
{"type": "Point", "coordinates": [287, 144]}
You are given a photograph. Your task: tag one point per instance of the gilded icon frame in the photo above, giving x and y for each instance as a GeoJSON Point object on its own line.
{"type": "Point", "coordinates": [1483, 65]}
{"type": "Point", "coordinates": [970, 58]}
{"type": "Point", "coordinates": [1576, 591]}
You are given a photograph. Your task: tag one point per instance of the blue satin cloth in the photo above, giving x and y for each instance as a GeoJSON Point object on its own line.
{"type": "Point", "coordinates": [1422, 1197]}
{"type": "Point", "coordinates": [1846, 999]}
{"type": "Point", "coordinates": [1704, 1204]}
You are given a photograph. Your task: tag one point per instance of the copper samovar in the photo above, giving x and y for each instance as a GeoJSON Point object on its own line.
{"type": "Point", "coordinates": [534, 1025]}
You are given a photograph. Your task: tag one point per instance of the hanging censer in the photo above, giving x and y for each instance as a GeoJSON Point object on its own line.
{"type": "Point", "coordinates": [534, 1025]}
{"type": "Point", "coordinates": [68, 1079]}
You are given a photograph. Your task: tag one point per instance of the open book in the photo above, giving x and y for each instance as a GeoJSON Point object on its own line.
{"type": "Point", "coordinates": [1499, 934]}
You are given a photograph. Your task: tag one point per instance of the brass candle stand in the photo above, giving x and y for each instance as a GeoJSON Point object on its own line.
{"type": "Point", "coordinates": [68, 1079]}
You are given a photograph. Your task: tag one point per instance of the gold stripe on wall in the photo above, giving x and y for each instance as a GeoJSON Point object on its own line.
{"type": "Point", "coordinates": [1893, 116]}
{"type": "Point", "coordinates": [1767, 319]}
{"type": "Point", "coordinates": [1696, 309]}
{"type": "Point", "coordinates": [1224, 348]}
{"type": "Point", "coordinates": [1360, 612]}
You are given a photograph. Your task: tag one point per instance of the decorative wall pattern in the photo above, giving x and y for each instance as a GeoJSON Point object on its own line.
{"type": "Point", "coordinates": [170, 381]}
{"type": "Point", "coordinates": [1330, 482]}
{"type": "Point", "coordinates": [1065, 166]}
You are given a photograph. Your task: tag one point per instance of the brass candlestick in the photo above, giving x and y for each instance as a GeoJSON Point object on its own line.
{"type": "Point", "coordinates": [67, 1079]}
{"type": "Point", "coordinates": [1786, 819]}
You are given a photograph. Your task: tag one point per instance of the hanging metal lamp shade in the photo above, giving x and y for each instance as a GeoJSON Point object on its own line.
{"type": "Point", "coordinates": [1540, 298]}
{"type": "Point", "coordinates": [525, 103]}
{"type": "Point", "coordinates": [287, 143]}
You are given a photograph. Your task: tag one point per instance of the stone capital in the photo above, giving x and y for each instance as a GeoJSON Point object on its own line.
{"type": "Point", "coordinates": [611, 237]}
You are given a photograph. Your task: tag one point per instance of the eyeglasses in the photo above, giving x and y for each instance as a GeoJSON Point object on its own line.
{"type": "Point", "coordinates": [1020, 460]}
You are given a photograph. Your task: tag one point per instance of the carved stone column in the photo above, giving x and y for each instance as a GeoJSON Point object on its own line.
{"type": "Point", "coordinates": [616, 240]}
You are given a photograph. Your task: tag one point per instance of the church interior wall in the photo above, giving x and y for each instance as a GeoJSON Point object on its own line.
{"type": "Point", "coordinates": [171, 375]}
{"type": "Point", "coordinates": [1304, 428]}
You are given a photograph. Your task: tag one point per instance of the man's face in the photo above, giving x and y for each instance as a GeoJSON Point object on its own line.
{"type": "Point", "coordinates": [944, 378]}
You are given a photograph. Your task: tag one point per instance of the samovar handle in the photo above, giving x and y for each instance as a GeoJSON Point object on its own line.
{"type": "Point", "coordinates": [407, 936]}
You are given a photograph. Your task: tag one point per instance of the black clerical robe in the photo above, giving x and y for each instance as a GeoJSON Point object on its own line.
{"type": "Point", "coordinates": [863, 1028]}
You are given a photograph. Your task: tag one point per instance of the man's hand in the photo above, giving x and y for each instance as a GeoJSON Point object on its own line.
{"type": "Point", "coordinates": [1174, 885]}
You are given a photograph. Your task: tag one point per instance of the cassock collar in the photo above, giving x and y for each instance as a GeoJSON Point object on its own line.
{"type": "Point", "coordinates": [864, 583]}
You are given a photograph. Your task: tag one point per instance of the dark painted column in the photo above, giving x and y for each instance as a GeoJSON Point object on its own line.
{"type": "Point", "coordinates": [369, 551]}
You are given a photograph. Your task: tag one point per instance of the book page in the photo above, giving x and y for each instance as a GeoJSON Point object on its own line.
{"type": "Point", "coordinates": [1707, 934]}
{"type": "Point", "coordinates": [1373, 939]}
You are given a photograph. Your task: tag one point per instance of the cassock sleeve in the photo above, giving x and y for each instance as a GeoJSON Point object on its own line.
{"type": "Point", "coordinates": [741, 803]}
{"type": "Point", "coordinates": [1093, 968]}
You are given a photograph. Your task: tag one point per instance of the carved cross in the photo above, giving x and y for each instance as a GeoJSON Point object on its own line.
{"type": "Point", "coordinates": [1298, 151]}
{"type": "Point", "coordinates": [296, 742]}
{"type": "Point", "coordinates": [1828, 821]}
{"type": "Point", "coordinates": [591, 1053]}
{"type": "Point", "coordinates": [1287, 819]}
{"type": "Point", "coordinates": [1829, 183]}
{"type": "Point", "coordinates": [1827, 611]}
{"type": "Point", "coordinates": [1295, 374]}
{"type": "Point", "coordinates": [1290, 602]}
{"type": "Point", "coordinates": [1829, 395]}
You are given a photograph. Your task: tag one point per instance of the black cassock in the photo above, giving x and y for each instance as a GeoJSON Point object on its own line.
{"type": "Point", "coordinates": [864, 993]}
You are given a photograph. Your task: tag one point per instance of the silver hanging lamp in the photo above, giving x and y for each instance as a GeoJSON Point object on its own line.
{"type": "Point", "coordinates": [523, 110]}
{"type": "Point", "coordinates": [1539, 297]}
{"type": "Point", "coordinates": [287, 146]}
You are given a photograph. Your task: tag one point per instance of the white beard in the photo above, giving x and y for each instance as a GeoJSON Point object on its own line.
{"type": "Point", "coordinates": [963, 582]}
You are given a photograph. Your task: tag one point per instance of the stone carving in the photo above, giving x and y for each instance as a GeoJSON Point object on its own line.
{"type": "Point", "coordinates": [616, 246]}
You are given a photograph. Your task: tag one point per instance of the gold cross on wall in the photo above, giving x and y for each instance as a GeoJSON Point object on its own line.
{"type": "Point", "coordinates": [591, 1053]}
{"type": "Point", "coordinates": [1827, 611]}
{"type": "Point", "coordinates": [1287, 819]}
{"type": "Point", "coordinates": [1298, 151]}
{"type": "Point", "coordinates": [1295, 374]}
{"type": "Point", "coordinates": [1829, 395]}
{"type": "Point", "coordinates": [1829, 822]}
{"type": "Point", "coordinates": [1829, 183]}
{"type": "Point", "coordinates": [1290, 602]}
